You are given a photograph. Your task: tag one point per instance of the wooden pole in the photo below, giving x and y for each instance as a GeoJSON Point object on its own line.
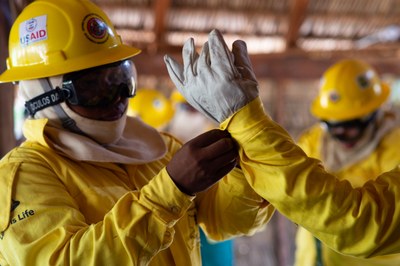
{"type": "Point", "coordinates": [7, 138]}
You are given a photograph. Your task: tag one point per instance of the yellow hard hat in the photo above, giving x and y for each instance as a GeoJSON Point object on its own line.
{"type": "Point", "coordinates": [152, 106]}
{"type": "Point", "coordinates": [349, 89]}
{"type": "Point", "coordinates": [52, 38]}
{"type": "Point", "coordinates": [177, 97]}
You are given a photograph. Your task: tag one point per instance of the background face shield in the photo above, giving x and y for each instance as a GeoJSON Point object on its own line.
{"type": "Point", "coordinates": [100, 86]}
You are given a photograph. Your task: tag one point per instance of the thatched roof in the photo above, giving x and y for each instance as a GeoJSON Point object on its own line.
{"type": "Point", "coordinates": [266, 25]}
{"type": "Point", "coordinates": [285, 32]}
{"type": "Point", "coordinates": [293, 35]}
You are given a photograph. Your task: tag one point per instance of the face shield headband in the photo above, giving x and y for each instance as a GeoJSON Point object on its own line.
{"type": "Point", "coordinates": [94, 87]}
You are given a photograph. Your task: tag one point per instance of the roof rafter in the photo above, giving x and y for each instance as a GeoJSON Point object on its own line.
{"type": "Point", "coordinates": [161, 9]}
{"type": "Point", "coordinates": [296, 17]}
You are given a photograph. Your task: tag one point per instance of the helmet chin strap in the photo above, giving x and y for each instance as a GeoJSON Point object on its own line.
{"type": "Point", "coordinates": [67, 122]}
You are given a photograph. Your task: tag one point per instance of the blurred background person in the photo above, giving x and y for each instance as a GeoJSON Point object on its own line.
{"type": "Point", "coordinates": [152, 107]}
{"type": "Point", "coordinates": [186, 115]}
{"type": "Point", "coordinates": [354, 140]}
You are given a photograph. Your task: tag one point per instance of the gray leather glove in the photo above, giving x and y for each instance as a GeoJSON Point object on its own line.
{"type": "Point", "coordinates": [217, 82]}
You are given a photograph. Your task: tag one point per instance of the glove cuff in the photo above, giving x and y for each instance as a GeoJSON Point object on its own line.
{"type": "Point", "coordinates": [246, 121]}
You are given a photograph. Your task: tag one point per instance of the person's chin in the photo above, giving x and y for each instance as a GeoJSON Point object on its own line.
{"type": "Point", "coordinates": [115, 113]}
{"type": "Point", "coordinates": [112, 117]}
{"type": "Point", "coordinates": [349, 144]}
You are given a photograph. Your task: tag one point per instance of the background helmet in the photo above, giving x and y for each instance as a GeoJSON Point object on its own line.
{"type": "Point", "coordinates": [349, 89]}
{"type": "Point", "coordinates": [177, 97]}
{"type": "Point", "coordinates": [153, 107]}
{"type": "Point", "coordinates": [52, 38]}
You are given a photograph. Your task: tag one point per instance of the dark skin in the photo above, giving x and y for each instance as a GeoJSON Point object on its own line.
{"type": "Point", "coordinates": [203, 161]}
{"type": "Point", "coordinates": [113, 111]}
{"type": "Point", "coordinates": [200, 163]}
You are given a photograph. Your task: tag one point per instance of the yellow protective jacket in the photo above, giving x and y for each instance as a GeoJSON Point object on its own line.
{"type": "Point", "coordinates": [361, 221]}
{"type": "Point", "coordinates": [385, 157]}
{"type": "Point", "coordinates": [57, 211]}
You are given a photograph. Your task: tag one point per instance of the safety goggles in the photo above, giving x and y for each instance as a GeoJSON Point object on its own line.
{"type": "Point", "coordinates": [354, 123]}
{"type": "Point", "coordinates": [341, 130]}
{"type": "Point", "coordinates": [100, 86]}
{"type": "Point", "coordinates": [94, 87]}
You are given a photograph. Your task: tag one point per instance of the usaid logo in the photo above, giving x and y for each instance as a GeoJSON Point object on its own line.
{"type": "Point", "coordinates": [31, 25]}
{"type": "Point", "coordinates": [33, 30]}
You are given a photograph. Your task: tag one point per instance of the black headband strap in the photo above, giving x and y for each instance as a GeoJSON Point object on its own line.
{"type": "Point", "coordinates": [46, 99]}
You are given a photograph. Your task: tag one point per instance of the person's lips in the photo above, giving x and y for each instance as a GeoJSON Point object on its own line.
{"type": "Point", "coordinates": [115, 112]}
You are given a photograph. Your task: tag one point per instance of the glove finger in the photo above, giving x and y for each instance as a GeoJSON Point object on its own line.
{"type": "Point", "coordinates": [242, 60]}
{"type": "Point", "coordinates": [204, 59]}
{"type": "Point", "coordinates": [176, 74]}
{"type": "Point", "coordinates": [189, 56]}
{"type": "Point", "coordinates": [220, 57]}
{"type": "Point", "coordinates": [175, 71]}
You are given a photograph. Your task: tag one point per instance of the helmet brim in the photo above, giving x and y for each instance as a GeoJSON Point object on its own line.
{"type": "Point", "coordinates": [60, 65]}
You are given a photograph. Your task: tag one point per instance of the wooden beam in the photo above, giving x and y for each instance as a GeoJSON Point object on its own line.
{"type": "Point", "coordinates": [161, 8]}
{"type": "Point", "coordinates": [297, 65]}
{"type": "Point", "coordinates": [7, 138]}
{"type": "Point", "coordinates": [297, 15]}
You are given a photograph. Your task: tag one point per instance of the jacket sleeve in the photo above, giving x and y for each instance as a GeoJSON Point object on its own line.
{"type": "Point", "coordinates": [357, 221]}
{"type": "Point", "coordinates": [310, 141]}
{"type": "Point", "coordinates": [231, 208]}
{"type": "Point", "coordinates": [53, 231]}
{"type": "Point", "coordinates": [306, 248]}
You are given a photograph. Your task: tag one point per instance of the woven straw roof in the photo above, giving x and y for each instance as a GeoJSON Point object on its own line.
{"type": "Point", "coordinates": [268, 26]}
{"type": "Point", "coordinates": [298, 37]}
